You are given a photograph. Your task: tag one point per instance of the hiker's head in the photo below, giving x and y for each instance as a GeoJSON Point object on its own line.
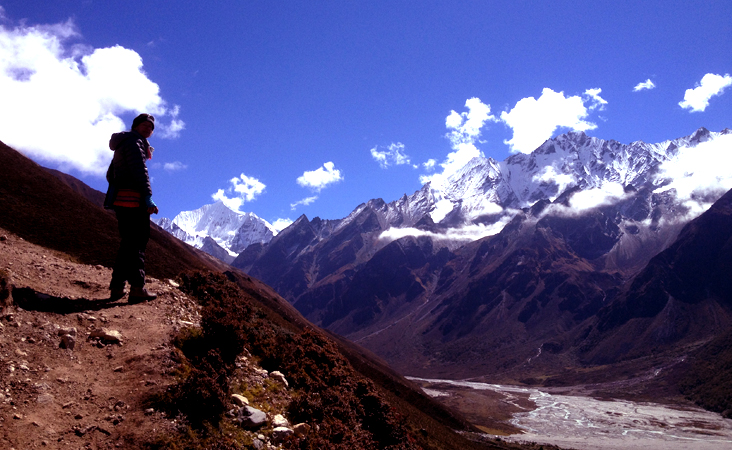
{"type": "Point", "coordinates": [144, 124]}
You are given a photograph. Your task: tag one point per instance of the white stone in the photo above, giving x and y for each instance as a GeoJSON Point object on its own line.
{"type": "Point", "coordinates": [239, 400]}
{"type": "Point", "coordinates": [280, 421]}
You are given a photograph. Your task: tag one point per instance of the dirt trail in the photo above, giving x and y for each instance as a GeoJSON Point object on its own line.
{"type": "Point", "coordinates": [94, 395]}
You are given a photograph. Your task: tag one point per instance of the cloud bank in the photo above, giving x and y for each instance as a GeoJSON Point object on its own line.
{"type": "Point", "coordinates": [243, 189]}
{"type": "Point", "coordinates": [699, 174]}
{"type": "Point", "coordinates": [697, 99]}
{"type": "Point", "coordinates": [73, 93]}
{"type": "Point", "coordinates": [320, 178]}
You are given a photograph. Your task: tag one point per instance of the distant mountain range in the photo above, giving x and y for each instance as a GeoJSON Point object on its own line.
{"type": "Point", "coordinates": [502, 264]}
{"type": "Point", "coordinates": [529, 269]}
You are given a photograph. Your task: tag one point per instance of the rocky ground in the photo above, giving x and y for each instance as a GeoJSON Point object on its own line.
{"type": "Point", "coordinates": [79, 371]}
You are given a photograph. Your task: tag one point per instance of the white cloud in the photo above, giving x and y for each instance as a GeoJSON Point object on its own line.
{"type": "Point", "coordinates": [697, 99]}
{"type": "Point", "coordinates": [699, 174]}
{"type": "Point", "coordinates": [430, 164]}
{"type": "Point", "coordinates": [304, 202]}
{"type": "Point", "coordinates": [174, 166]}
{"type": "Point", "coordinates": [393, 155]}
{"type": "Point", "coordinates": [534, 121]}
{"type": "Point", "coordinates": [648, 84]}
{"type": "Point", "coordinates": [457, 236]}
{"type": "Point", "coordinates": [465, 130]}
{"type": "Point", "coordinates": [593, 96]}
{"type": "Point", "coordinates": [243, 189]}
{"type": "Point", "coordinates": [281, 224]}
{"type": "Point", "coordinates": [74, 94]}
{"type": "Point", "coordinates": [550, 175]}
{"type": "Point", "coordinates": [321, 177]}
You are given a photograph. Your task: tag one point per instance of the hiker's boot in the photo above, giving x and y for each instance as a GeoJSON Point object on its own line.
{"type": "Point", "coordinates": [140, 294]}
{"type": "Point", "coordinates": [116, 293]}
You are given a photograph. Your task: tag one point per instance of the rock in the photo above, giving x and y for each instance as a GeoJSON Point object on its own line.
{"type": "Point", "coordinates": [239, 400]}
{"type": "Point", "coordinates": [280, 421]}
{"type": "Point", "coordinates": [71, 331]}
{"type": "Point", "coordinates": [251, 417]}
{"type": "Point", "coordinates": [280, 433]}
{"type": "Point", "coordinates": [45, 398]}
{"type": "Point", "coordinates": [149, 411]}
{"type": "Point", "coordinates": [107, 336]}
{"type": "Point", "coordinates": [173, 283]}
{"type": "Point", "coordinates": [301, 429]}
{"type": "Point", "coordinates": [68, 342]}
{"type": "Point", "coordinates": [279, 376]}
{"type": "Point", "coordinates": [20, 352]}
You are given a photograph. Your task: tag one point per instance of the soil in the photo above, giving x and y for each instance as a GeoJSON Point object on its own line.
{"type": "Point", "coordinates": [95, 395]}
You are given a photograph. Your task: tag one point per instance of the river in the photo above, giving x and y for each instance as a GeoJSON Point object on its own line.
{"type": "Point", "coordinates": [588, 423]}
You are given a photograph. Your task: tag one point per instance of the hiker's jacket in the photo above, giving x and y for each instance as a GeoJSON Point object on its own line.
{"type": "Point", "coordinates": [129, 182]}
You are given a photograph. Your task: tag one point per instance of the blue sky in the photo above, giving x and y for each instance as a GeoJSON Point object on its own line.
{"type": "Point", "coordinates": [285, 108]}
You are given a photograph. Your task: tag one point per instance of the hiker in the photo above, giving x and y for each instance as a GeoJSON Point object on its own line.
{"type": "Point", "coordinates": [130, 196]}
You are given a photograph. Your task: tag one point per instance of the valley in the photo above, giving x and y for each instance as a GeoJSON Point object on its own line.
{"type": "Point", "coordinates": [564, 418]}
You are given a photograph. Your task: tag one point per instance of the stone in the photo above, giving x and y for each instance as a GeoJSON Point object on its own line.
{"type": "Point", "coordinates": [280, 433]}
{"type": "Point", "coordinates": [251, 417]}
{"type": "Point", "coordinates": [106, 335]}
{"type": "Point", "coordinates": [45, 398]}
{"type": "Point", "coordinates": [71, 331]}
{"type": "Point", "coordinates": [279, 376]}
{"type": "Point", "coordinates": [68, 342]}
{"type": "Point", "coordinates": [239, 400]}
{"type": "Point", "coordinates": [280, 421]}
{"type": "Point", "coordinates": [301, 429]}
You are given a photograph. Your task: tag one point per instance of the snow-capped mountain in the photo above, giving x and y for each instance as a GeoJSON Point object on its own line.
{"type": "Point", "coordinates": [230, 230]}
{"type": "Point", "coordinates": [516, 255]}
{"type": "Point", "coordinates": [484, 191]}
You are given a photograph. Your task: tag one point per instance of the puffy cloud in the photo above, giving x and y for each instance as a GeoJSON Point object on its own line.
{"type": "Point", "coordinates": [243, 189]}
{"type": "Point", "coordinates": [648, 84]}
{"type": "Point", "coordinates": [697, 99]}
{"type": "Point", "coordinates": [699, 174]}
{"type": "Point", "coordinates": [393, 155]}
{"type": "Point", "coordinates": [321, 177]}
{"type": "Point", "coordinates": [534, 121]}
{"type": "Point", "coordinates": [74, 94]}
{"type": "Point", "coordinates": [464, 130]}
{"type": "Point", "coordinates": [174, 166]}
{"type": "Point", "coordinates": [304, 202]}
{"type": "Point", "coordinates": [281, 224]}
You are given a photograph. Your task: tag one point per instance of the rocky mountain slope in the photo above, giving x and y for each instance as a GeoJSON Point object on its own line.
{"type": "Point", "coordinates": [162, 374]}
